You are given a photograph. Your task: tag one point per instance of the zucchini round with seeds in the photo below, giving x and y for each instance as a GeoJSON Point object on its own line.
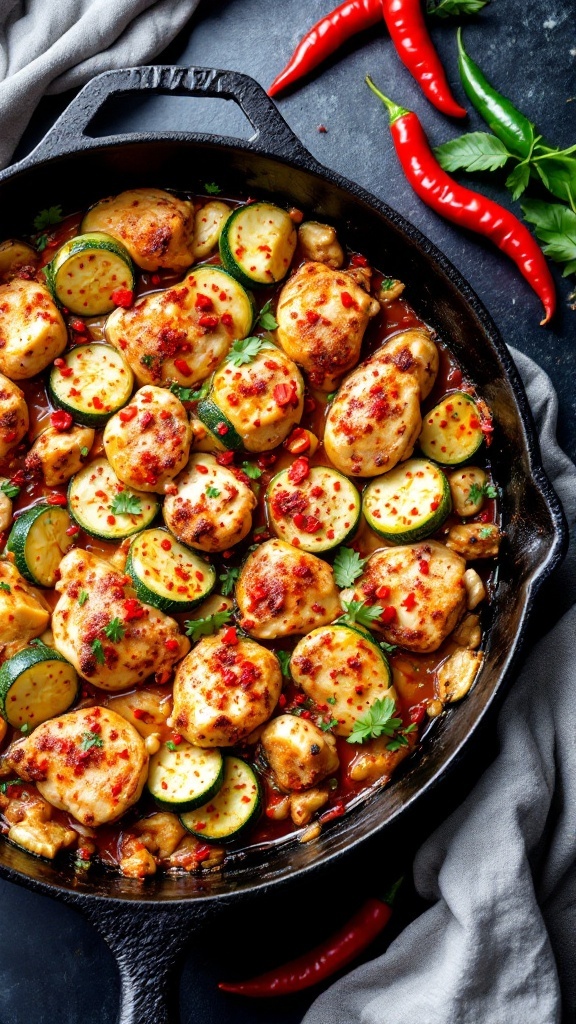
{"type": "Point", "coordinates": [166, 574]}
{"type": "Point", "coordinates": [224, 434]}
{"type": "Point", "coordinates": [182, 777]}
{"type": "Point", "coordinates": [36, 684]}
{"type": "Point", "coordinates": [104, 507]}
{"type": "Point", "coordinates": [38, 540]}
{"type": "Point", "coordinates": [236, 805]}
{"type": "Point", "coordinates": [408, 503]}
{"type": "Point", "coordinates": [94, 383]}
{"type": "Point", "coordinates": [315, 514]}
{"type": "Point", "coordinates": [257, 244]}
{"type": "Point", "coordinates": [87, 270]}
{"type": "Point", "coordinates": [452, 430]}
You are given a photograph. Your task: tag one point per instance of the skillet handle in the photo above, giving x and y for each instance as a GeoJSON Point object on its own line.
{"type": "Point", "coordinates": [71, 131]}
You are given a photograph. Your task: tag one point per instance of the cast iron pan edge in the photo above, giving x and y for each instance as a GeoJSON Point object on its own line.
{"type": "Point", "coordinates": [148, 935]}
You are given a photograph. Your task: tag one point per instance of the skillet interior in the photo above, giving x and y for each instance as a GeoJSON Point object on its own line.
{"type": "Point", "coordinates": [532, 518]}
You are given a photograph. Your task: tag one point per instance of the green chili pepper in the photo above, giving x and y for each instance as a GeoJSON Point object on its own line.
{"type": "Point", "coordinates": [507, 123]}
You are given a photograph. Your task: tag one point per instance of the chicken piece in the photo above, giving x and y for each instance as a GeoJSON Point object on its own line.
{"type": "Point", "coordinates": [322, 315]}
{"type": "Point", "coordinates": [90, 763]}
{"type": "Point", "coordinates": [190, 854]}
{"type": "Point", "coordinates": [208, 224]}
{"type": "Point", "coordinates": [13, 414]}
{"type": "Point", "coordinates": [224, 689]}
{"type": "Point", "coordinates": [5, 506]}
{"type": "Point", "coordinates": [162, 338]}
{"type": "Point", "coordinates": [475, 589]}
{"type": "Point", "coordinates": [135, 860]}
{"type": "Point", "coordinates": [282, 591]}
{"type": "Point", "coordinates": [298, 752]}
{"type": "Point", "coordinates": [23, 614]}
{"type": "Point", "coordinates": [27, 806]}
{"type": "Point", "coordinates": [304, 805]}
{"type": "Point", "coordinates": [42, 838]}
{"type": "Point", "coordinates": [468, 633]}
{"type": "Point", "coordinates": [58, 454]}
{"type": "Point", "coordinates": [319, 242]}
{"type": "Point", "coordinates": [32, 331]}
{"type": "Point", "coordinates": [421, 590]}
{"type": "Point", "coordinates": [212, 509]}
{"type": "Point", "coordinates": [17, 257]}
{"type": "Point", "coordinates": [155, 226]}
{"type": "Point", "coordinates": [375, 762]}
{"type": "Point", "coordinates": [147, 709]}
{"type": "Point", "coordinates": [474, 540]}
{"type": "Point", "coordinates": [141, 640]}
{"type": "Point", "coordinates": [374, 421]}
{"type": "Point", "coordinates": [262, 399]}
{"type": "Point", "coordinates": [160, 833]}
{"type": "Point", "coordinates": [390, 290]}
{"type": "Point", "coordinates": [456, 675]}
{"type": "Point", "coordinates": [468, 489]}
{"type": "Point", "coordinates": [148, 442]}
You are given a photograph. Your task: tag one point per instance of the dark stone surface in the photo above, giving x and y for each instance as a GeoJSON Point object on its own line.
{"type": "Point", "coordinates": [53, 966]}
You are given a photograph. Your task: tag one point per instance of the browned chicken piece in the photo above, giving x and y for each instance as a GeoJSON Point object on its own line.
{"type": "Point", "coordinates": [416, 352]}
{"type": "Point", "coordinates": [208, 224]}
{"type": "Point", "coordinates": [58, 454]}
{"type": "Point", "coordinates": [374, 762]}
{"type": "Point", "coordinates": [14, 418]}
{"type": "Point", "coordinates": [322, 315]}
{"type": "Point", "coordinates": [223, 690]}
{"type": "Point", "coordinates": [32, 331]}
{"type": "Point", "coordinates": [23, 613]}
{"type": "Point", "coordinates": [282, 591]}
{"type": "Point", "coordinates": [457, 674]}
{"type": "Point", "coordinates": [390, 290]}
{"type": "Point", "coordinates": [474, 540]}
{"type": "Point", "coordinates": [89, 762]}
{"type": "Point", "coordinates": [468, 633]}
{"type": "Point", "coordinates": [155, 226]}
{"type": "Point", "coordinates": [5, 505]}
{"type": "Point", "coordinates": [304, 805]}
{"type": "Point", "coordinates": [16, 258]}
{"type": "Point", "coordinates": [211, 509]}
{"type": "Point", "coordinates": [319, 243]}
{"type": "Point", "coordinates": [29, 816]}
{"type": "Point", "coordinates": [142, 642]}
{"type": "Point", "coordinates": [298, 752]}
{"type": "Point", "coordinates": [468, 490]}
{"type": "Point", "coordinates": [147, 451]}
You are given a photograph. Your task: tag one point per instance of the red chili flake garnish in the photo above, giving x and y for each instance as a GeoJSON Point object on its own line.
{"type": "Point", "coordinates": [267, 460]}
{"type": "Point", "coordinates": [166, 544]}
{"type": "Point", "coordinates": [322, 129]}
{"type": "Point", "coordinates": [417, 713]}
{"type": "Point", "coordinates": [282, 700]}
{"type": "Point", "coordinates": [312, 316]}
{"type": "Point", "coordinates": [388, 616]}
{"type": "Point", "coordinates": [59, 362]}
{"type": "Point", "coordinates": [330, 534]}
{"type": "Point", "coordinates": [181, 573]}
{"type": "Point", "coordinates": [299, 470]}
{"type": "Point", "coordinates": [123, 297]}
{"type": "Point", "coordinates": [111, 520]}
{"type": "Point", "coordinates": [233, 399]}
{"type": "Point", "coordinates": [66, 371]}
{"type": "Point", "coordinates": [128, 414]}
{"type": "Point", "coordinates": [335, 812]}
{"type": "Point", "coordinates": [182, 366]}
{"type": "Point", "coordinates": [203, 852]}
{"type": "Point", "coordinates": [204, 302]}
{"type": "Point", "coordinates": [285, 394]}
{"type": "Point", "coordinates": [424, 567]}
{"type": "Point", "coordinates": [78, 325]}
{"type": "Point", "coordinates": [18, 479]}
{"type": "Point", "coordinates": [61, 420]}
{"type": "Point", "coordinates": [486, 427]}
{"type": "Point", "coordinates": [299, 698]}
{"type": "Point", "coordinates": [155, 279]}
{"type": "Point", "coordinates": [171, 644]}
{"type": "Point", "coordinates": [225, 458]}
{"type": "Point", "coordinates": [56, 499]}
{"type": "Point", "coordinates": [227, 319]}
{"type": "Point", "coordinates": [138, 713]}
{"type": "Point", "coordinates": [230, 637]}
{"type": "Point", "coordinates": [176, 738]}
{"type": "Point", "coordinates": [209, 322]}
{"type": "Point", "coordinates": [299, 521]}
{"type": "Point", "coordinates": [72, 530]}
{"type": "Point", "coordinates": [146, 419]}
{"type": "Point", "coordinates": [484, 517]}
{"type": "Point", "coordinates": [202, 469]}
{"type": "Point", "coordinates": [133, 609]}
{"type": "Point", "coordinates": [97, 402]}
{"type": "Point", "coordinates": [347, 300]}
{"type": "Point", "coordinates": [221, 429]}
{"type": "Point", "coordinates": [434, 505]}
{"type": "Point", "coordinates": [358, 261]}
{"type": "Point", "coordinates": [312, 524]}
{"type": "Point", "coordinates": [383, 593]}
{"type": "Point", "coordinates": [409, 602]}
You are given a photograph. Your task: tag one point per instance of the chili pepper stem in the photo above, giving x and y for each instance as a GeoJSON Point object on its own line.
{"type": "Point", "coordinates": [393, 109]}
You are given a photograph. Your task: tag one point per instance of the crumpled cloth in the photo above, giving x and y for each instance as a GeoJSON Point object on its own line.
{"type": "Point", "coordinates": [498, 946]}
{"type": "Point", "coordinates": [47, 46]}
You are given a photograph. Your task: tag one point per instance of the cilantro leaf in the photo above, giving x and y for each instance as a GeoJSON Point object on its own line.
{"type": "Point", "coordinates": [196, 628]}
{"type": "Point", "coordinates": [147, 360]}
{"type": "Point", "coordinates": [5, 587]}
{"type": "Point", "coordinates": [266, 320]}
{"type": "Point", "coordinates": [9, 489]}
{"type": "Point", "coordinates": [189, 394]}
{"type": "Point", "coordinates": [126, 504]}
{"type": "Point", "coordinates": [475, 151]}
{"type": "Point", "coordinates": [558, 173]}
{"type": "Point", "coordinates": [53, 215]}
{"type": "Point", "coordinates": [82, 597]}
{"type": "Point", "coordinates": [331, 700]}
{"type": "Point", "coordinates": [284, 659]}
{"type": "Point", "coordinates": [91, 739]}
{"type": "Point", "coordinates": [485, 532]}
{"type": "Point", "coordinates": [518, 179]}
{"type": "Point", "coordinates": [556, 226]}
{"type": "Point", "coordinates": [245, 351]}
{"type": "Point", "coordinates": [98, 651]}
{"type": "Point", "coordinates": [10, 782]}
{"type": "Point", "coordinates": [114, 630]}
{"type": "Point", "coordinates": [331, 396]}
{"type": "Point", "coordinates": [25, 728]}
{"type": "Point", "coordinates": [171, 745]}
{"type": "Point", "coordinates": [212, 492]}
{"type": "Point", "coordinates": [388, 648]}
{"type": "Point", "coordinates": [228, 579]}
{"type": "Point", "coordinates": [84, 451]}
{"type": "Point", "coordinates": [360, 612]}
{"type": "Point", "coordinates": [477, 492]}
{"type": "Point", "coordinates": [379, 719]}
{"type": "Point", "coordinates": [212, 188]}
{"type": "Point", "coordinates": [251, 470]}
{"type": "Point", "coordinates": [326, 725]}
{"type": "Point", "coordinates": [348, 566]}
{"type": "Point", "coordinates": [41, 243]}
{"type": "Point", "coordinates": [453, 8]}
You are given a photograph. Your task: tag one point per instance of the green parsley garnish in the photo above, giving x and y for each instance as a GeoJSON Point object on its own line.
{"type": "Point", "coordinates": [387, 284]}
{"type": "Point", "coordinates": [6, 587]}
{"type": "Point", "coordinates": [361, 613]}
{"type": "Point", "coordinates": [348, 566]}
{"type": "Point", "coordinates": [9, 489]}
{"type": "Point", "coordinates": [266, 319]}
{"type": "Point", "coordinates": [126, 504]}
{"type": "Point", "coordinates": [53, 215]}
{"type": "Point", "coordinates": [212, 492]}
{"type": "Point", "coordinates": [212, 188]}
{"type": "Point", "coordinates": [380, 720]}
{"type": "Point", "coordinates": [147, 360]}
{"type": "Point", "coordinates": [259, 530]}
{"type": "Point", "coordinates": [387, 648]}
{"type": "Point", "coordinates": [245, 351]}
{"type": "Point", "coordinates": [114, 630]}
{"type": "Point", "coordinates": [251, 470]}
{"type": "Point", "coordinates": [454, 8]}
{"type": "Point", "coordinates": [82, 865]}
{"type": "Point", "coordinates": [98, 651]}
{"type": "Point", "coordinates": [485, 532]}
{"type": "Point", "coordinates": [91, 739]}
{"type": "Point", "coordinates": [35, 643]}
{"type": "Point", "coordinates": [196, 628]}
{"type": "Point", "coordinates": [228, 579]}
{"type": "Point", "coordinates": [82, 597]}
{"type": "Point", "coordinates": [327, 725]}
{"type": "Point", "coordinates": [171, 745]}
{"type": "Point", "coordinates": [84, 451]}
{"type": "Point", "coordinates": [25, 728]}
{"type": "Point", "coordinates": [284, 659]}
{"type": "Point", "coordinates": [10, 782]}
{"type": "Point", "coordinates": [189, 394]}
{"type": "Point", "coordinates": [477, 492]}
{"type": "Point", "coordinates": [331, 396]}
{"type": "Point", "coordinates": [41, 243]}
{"type": "Point", "coordinates": [331, 700]}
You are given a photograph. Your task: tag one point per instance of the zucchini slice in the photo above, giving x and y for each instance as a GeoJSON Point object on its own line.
{"type": "Point", "coordinates": [87, 270]}
{"type": "Point", "coordinates": [452, 430]}
{"type": "Point", "coordinates": [408, 503]}
{"type": "Point", "coordinates": [183, 777]}
{"type": "Point", "coordinates": [235, 806]}
{"type": "Point", "coordinates": [38, 540]}
{"type": "Point", "coordinates": [257, 243]}
{"type": "Point", "coordinates": [166, 574]}
{"type": "Point", "coordinates": [96, 498]}
{"type": "Point", "coordinates": [224, 434]}
{"type": "Point", "coordinates": [35, 685]}
{"type": "Point", "coordinates": [317, 514]}
{"type": "Point", "coordinates": [93, 383]}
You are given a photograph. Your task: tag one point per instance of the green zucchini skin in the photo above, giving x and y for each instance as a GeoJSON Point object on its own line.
{"type": "Point", "coordinates": [37, 554]}
{"type": "Point", "coordinates": [29, 693]}
{"type": "Point", "coordinates": [225, 817]}
{"type": "Point", "coordinates": [100, 375]}
{"type": "Point", "coordinates": [337, 509]}
{"type": "Point", "coordinates": [409, 503]}
{"type": "Point", "coordinates": [255, 251]}
{"type": "Point", "coordinates": [213, 418]}
{"type": "Point", "coordinates": [147, 558]}
{"type": "Point", "coordinates": [87, 270]}
{"type": "Point", "coordinates": [91, 512]}
{"type": "Point", "coordinates": [185, 778]}
{"type": "Point", "coordinates": [452, 430]}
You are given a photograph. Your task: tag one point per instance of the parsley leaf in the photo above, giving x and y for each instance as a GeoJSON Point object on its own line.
{"type": "Point", "coordinates": [82, 597]}
{"type": "Point", "coordinates": [114, 630]}
{"type": "Point", "coordinates": [84, 451]}
{"type": "Point", "coordinates": [171, 745]}
{"type": "Point", "coordinates": [98, 651]}
{"type": "Point", "coordinates": [485, 532]}
{"type": "Point", "coordinates": [327, 725]}
{"type": "Point", "coordinates": [91, 739]}
{"type": "Point", "coordinates": [477, 492]}
{"type": "Point", "coordinates": [331, 396]}
{"type": "Point", "coordinates": [555, 225]}
{"type": "Point", "coordinates": [212, 492]}
{"type": "Point", "coordinates": [147, 360]}
{"type": "Point", "coordinates": [348, 566]}
{"type": "Point", "coordinates": [379, 719]}
{"type": "Point", "coordinates": [245, 351]}
{"type": "Point", "coordinates": [475, 151]}
{"type": "Point", "coordinates": [331, 700]}
{"type": "Point", "coordinates": [53, 215]}
{"type": "Point", "coordinates": [360, 612]}
{"type": "Point", "coordinates": [41, 243]}
{"type": "Point", "coordinates": [10, 782]}
{"type": "Point", "coordinates": [518, 179]}
{"type": "Point", "coordinates": [126, 504]}
{"type": "Point", "coordinates": [9, 489]}
{"type": "Point", "coordinates": [388, 648]}
{"type": "Point", "coordinates": [5, 587]}
{"type": "Point", "coordinates": [266, 320]}
{"type": "Point", "coordinates": [453, 8]}
{"type": "Point", "coordinates": [188, 394]}
{"type": "Point", "coordinates": [25, 728]}
{"type": "Point", "coordinates": [284, 659]}
{"type": "Point", "coordinates": [196, 628]}
{"type": "Point", "coordinates": [212, 188]}
{"type": "Point", "coordinates": [251, 470]}
{"type": "Point", "coordinates": [228, 579]}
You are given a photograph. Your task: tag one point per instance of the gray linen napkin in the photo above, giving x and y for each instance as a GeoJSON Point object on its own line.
{"type": "Point", "coordinates": [49, 47]}
{"type": "Point", "coordinates": [498, 946]}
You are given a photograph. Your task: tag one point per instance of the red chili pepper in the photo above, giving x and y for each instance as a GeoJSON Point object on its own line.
{"type": "Point", "coordinates": [407, 27]}
{"type": "Point", "coordinates": [326, 36]}
{"type": "Point", "coordinates": [123, 297]}
{"type": "Point", "coordinates": [61, 420]}
{"type": "Point", "coordinates": [324, 960]}
{"type": "Point", "coordinates": [465, 207]}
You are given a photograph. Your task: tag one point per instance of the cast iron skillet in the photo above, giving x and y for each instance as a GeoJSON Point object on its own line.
{"type": "Point", "coordinates": [147, 926]}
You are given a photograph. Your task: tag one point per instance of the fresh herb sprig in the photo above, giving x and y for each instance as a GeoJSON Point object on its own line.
{"type": "Point", "coordinates": [228, 580]}
{"type": "Point", "coordinates": [46, 218]}
{"type": "Point", "coordinates": [126, 504]}
{"type": "Point", "coordinates": [195, 628]}
{"type": "Point", "coordinates": [245, 351]}
{"type": "Point", "coordinates": [381, 720]}
{"type": "Point", "coordinates": [455, 8]}
{"type": "Point", "coordinates": [360, 613]}
{"type": "Point", "coordinates": [478, 491]}
{"type": "Point", "coordinates": [348, 566]}
{"type": "Point", "coordinates": [9, 489]}
{"type": "Point", "coordinates": [190, 394]}
{"type": "Point", "coordinates": [266, 320]}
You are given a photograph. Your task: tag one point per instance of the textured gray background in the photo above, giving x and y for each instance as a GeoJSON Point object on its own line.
{"type": "Point", "coordinates": [53, 967]}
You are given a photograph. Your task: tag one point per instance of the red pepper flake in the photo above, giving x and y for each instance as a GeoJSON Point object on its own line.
{"type": "Point", "coordinates": [409, 602]}
{"type": "Point", "coordinates": [61, 420]}
{"type": "Point", "coordinates": [282, 700]}
{"type": "Point", "coordinates": [358, 261]}
{"type": "Point", "coordinates": [388, 616]}
{"type": "Point", "coordinates": [66, 371]}
{"type": "Point", "coordinates": [417, 713]}
{"type": "Point", "coordinates": [267, 460]}
{"type": "Point", "coordinates": [221, 429]}
{"type": "Point", "coordinates": [138, 713]}
{"type": "Point", "coordinates": [230, 637]}
{"type": "Point", "coordinates": [201, 468]}
{"type": "Point", "coordinates": [123, 297]}
{"type": "Point", "coordinates": [78, 325]}
{"type": "Point", "coordinates": [203, 852]}
{"type": "Point", "coordinates": [383, 593]}
{"type": "Point", "coordinates": [330, 534]}
{"type": "Point", "coordinates": [176, 738]}
{"type": "Point", "coordinates": [299, 470]}
{"type": "Point", "coordinates": [97, 402]}
{"type": "Point", "coordinates": [322, 129]}
{"type": "Point", "coordinates": [181, 573]}
{"type": "Point", "coordinates": [335, 812]}
{"type": "Point", "coordinates": [155, 279]}
{"type": "Point", "coordinates": [111, 520]}
{"type": "Point", "coordinates": [227, 320]}
{"type": "Point", "coordinates": [56, 499]}
{"type": "Point", "coordinates": [146, 419]}
{"type": "Point", "coordinates": [128, 414]}
{"type": "Point", "coordinates": [133, 609]}
{"type": "Point", "coordinates": [424, 567]}
{"type": "Point", "coordinates": [209, 322]}
{"type": "Point", "coordinates": [72, 531]}
{"type": "Point", "coordinates": [204, 302]}
{"type": "Point", "coordinates": [171, 644]}
{"type": "Point", "coordinates": [347, 301]}
{"type": "Point", "coordinates": [225, 458]}
{"type": "Point", "coordinates": [312, 316]}
{"type": "Point", "coordinates": [166, 544]}
{"type": "Point", "coordinates": [182, 366]}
